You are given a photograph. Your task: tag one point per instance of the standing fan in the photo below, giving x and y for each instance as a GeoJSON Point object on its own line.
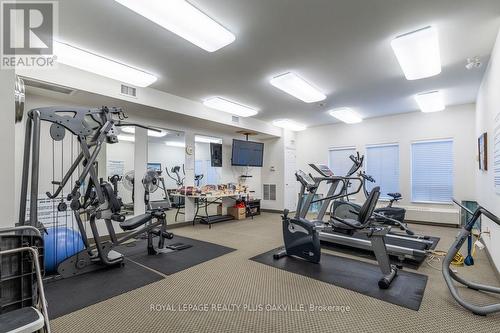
{"type": "Point", "coordinates": [151, 181]}
{"type": "Point", "coordinates": [129, 184]}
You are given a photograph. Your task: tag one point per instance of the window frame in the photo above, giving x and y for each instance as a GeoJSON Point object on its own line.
{"type": "Point", "coordinates": [384, 197]}
{"type": "Point", "coordinates": [450, 139]}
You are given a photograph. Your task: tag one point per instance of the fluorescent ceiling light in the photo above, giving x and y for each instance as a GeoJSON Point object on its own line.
{"type": "Point", "coordinates": [418, 53]}
{"type": "Point", "coordinates": [228, 106]}
{"type": "Point", "coordinates": [131, 130]}
{"type": "Point", "coordinates": [175, 144]}
{"type": "Point", "coordinates": [206, 139]}
{"type": "Point", "coordinates": [91, 62]}
{"type": "Point", "coordinates": [184, 20]}
{"type": "Point", "coordinates": [430, 101]}
{"type": "Point", "coordinates": [127, 138]}
{"type": "Point", "coordinates": [346, 115]}
{"type": "Point", "coordinates": [289, 124]}
{"type": "Point", "coordinates": [297, 87]}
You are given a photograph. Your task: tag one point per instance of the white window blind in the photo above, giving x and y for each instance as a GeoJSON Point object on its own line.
{"type": "Point", "coordinates": [339, 161]}
{"type": "Point", "coordinates": [382, 163]}
{"type": "Point", "coordinates": [432, 171]}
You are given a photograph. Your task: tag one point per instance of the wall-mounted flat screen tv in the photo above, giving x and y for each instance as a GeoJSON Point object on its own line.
{"type": "Point", "coordinates": [247, 153]}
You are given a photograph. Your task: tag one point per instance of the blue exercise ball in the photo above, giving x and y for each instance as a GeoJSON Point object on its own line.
{"type": "Point", "coordinates": [60, 243]}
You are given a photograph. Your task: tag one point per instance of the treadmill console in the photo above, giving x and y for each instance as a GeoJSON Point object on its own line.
{"type": "Point", "coordinates": [304, 179]}
{"type": "Point", "coordinates": [322, 169]}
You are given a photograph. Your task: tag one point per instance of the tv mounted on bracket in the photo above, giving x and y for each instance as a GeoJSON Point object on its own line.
{"type": "Point", "coordinates": [247, 153]}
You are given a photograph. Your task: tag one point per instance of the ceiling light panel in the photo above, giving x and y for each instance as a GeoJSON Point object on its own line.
{"type": "Point", "coordinates": [430, 101]}
{"type": "Point", "coordinates": [228, 106]}
{"type": "Point", "coordinates": [299, 88]}
{"type": "Point", "coordinates": [289, 125]}
{"type": "Point", "coordinates": [418, 53]}
{"type": "Point", "coordinates": [91, 62]}
{"type": "Point", "coordinates": [346, 115]}
{"type": "Point", "coordinates": [184, 20]}
{"type": "Point", "coordinates": [155, 134]}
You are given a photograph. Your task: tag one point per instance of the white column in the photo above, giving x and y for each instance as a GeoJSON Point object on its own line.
{"type": "Point", "coordinates": [140, 166]}
{"type": "Point", "coordinates": [189, 181]}
{"type": "Point", "coordinates": [8, 149]}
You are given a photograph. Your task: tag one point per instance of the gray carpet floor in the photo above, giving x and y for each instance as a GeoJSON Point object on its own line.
{"type": "Point", "coordinates": [233, 280]}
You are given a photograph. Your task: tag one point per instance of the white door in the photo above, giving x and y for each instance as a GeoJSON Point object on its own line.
{"type": "Point", "coordinates": [290, 180]}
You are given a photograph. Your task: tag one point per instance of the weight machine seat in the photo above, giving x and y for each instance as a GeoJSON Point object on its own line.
{"type": "Point", "coordinates": [395, 196]}
{"type": "Point", "coordinates": [136, 221]}
{"type": "Point", "coordinates": [24, 320]}
{"type": "Point", "coordinates": [336, 224]}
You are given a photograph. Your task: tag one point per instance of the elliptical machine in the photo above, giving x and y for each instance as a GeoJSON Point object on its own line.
{"type": "Point", "coordinates": [449, 275]}
{"type": "Point", "coordinates": [301, 236]}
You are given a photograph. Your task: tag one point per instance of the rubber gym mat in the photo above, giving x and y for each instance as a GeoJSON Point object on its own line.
{"type": "Point", "coordinates": [406, 290]}
{"type": "Point", "coordinates": [176, 261]}
{"type": "Point", "coordinates": [67, 295]}
{"type": "Point", "coordinates": [408, 263]}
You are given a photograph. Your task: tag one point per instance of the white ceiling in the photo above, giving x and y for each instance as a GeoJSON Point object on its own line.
{"type": "Point", "coordinates": [342, 46]}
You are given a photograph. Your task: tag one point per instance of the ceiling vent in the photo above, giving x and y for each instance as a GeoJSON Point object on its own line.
{"type": "Point", "coordinates": [48, 86]}
{"type": "Point", "coordinates": [236, 119]}
{"type": "Point", "coordinates": [129, 91]}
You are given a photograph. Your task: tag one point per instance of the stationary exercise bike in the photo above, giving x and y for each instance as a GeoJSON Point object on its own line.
{"type": "Point", "coordinates": [301, 236]}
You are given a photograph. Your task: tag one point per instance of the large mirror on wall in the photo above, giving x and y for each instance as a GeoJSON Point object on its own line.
{"type": "Point", "coordinates": [119, 167]}
{"type": "Point", "coordinates": [166, 155]}
{"type": "Point", "coordinates": [208, 161]}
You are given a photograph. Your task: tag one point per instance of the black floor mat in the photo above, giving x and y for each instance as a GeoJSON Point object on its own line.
{"type": "Point", "coordinates": [67, 295]}
{"type": "Point", "coordinates": [408, 263]}
{"type": "Point", "coordinates": [75, 293]}
{"type": "Point", "coordinates": [173, 262]}
{"type": "Point", "coordinates": [406, 290]}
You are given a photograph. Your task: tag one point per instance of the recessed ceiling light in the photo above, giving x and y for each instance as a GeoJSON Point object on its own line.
{"type": "Point", "coordinates": [299, 88]}
{"type": "Point", "coordinates": [430, 101]}
{"type": "Point", "coordinates": [175, 144]}
{"type": "Point", "coordinates": [184, 20]}
{"type": "Point", "coordinates": [346, 115]}
{"type": "Point", "coordinates": [127, 138]}
{"type": "Point", "coordinates": [418, 53]}
{"type": "Point", "coordinates": [206, 139]}
{"type": "Point", "coordinates": [289, 124]}
{"type": "Point", "coordinates": [228, 106]}
{"type": "Point", "coordinates": [156, 134]}
{"type": "Point", "coordinates": [91, 62]}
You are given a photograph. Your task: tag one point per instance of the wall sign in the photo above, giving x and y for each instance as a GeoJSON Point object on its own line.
{"type": "Point", "coordinates": [496, 154]}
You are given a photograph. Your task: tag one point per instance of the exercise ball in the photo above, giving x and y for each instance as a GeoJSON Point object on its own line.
{"type": "Point", "coordinates": [60, 243]}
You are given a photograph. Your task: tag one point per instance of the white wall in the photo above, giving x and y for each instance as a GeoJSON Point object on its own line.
{"type": "Point", "coordinates": [7, 147]}
{"type": "Point", "coordinates": [488, 107]}
{"type": "Point", "coordinates": [455, 122]}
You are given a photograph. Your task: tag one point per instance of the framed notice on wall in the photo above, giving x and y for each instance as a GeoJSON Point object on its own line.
{"type": "Point", "coordinates": [496, 154]}
{"type": "Point", "coordinates": [482, 148]}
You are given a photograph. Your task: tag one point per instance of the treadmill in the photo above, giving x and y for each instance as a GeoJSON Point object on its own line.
{"type": "Point", "coordinates": [400, 245]}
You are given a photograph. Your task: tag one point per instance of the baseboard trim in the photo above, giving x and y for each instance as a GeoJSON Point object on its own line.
{"type": "Point", "coordinates": [271, 210]}
{"type": "Point", "coordinates": [492, 263]}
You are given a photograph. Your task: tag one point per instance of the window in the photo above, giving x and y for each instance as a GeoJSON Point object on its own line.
{"type": "Point", "coordinates": [432, 171]}
{"type": "Point", "coordinates": [339, 161]}
{"type": "Point", "coordinates": [382, 163]}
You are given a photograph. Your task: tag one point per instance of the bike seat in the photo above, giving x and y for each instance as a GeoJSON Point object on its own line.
{"type": "Point", "coordinates": [136, 221]}
{"type": "Point", "coordinates": [395, 196]}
